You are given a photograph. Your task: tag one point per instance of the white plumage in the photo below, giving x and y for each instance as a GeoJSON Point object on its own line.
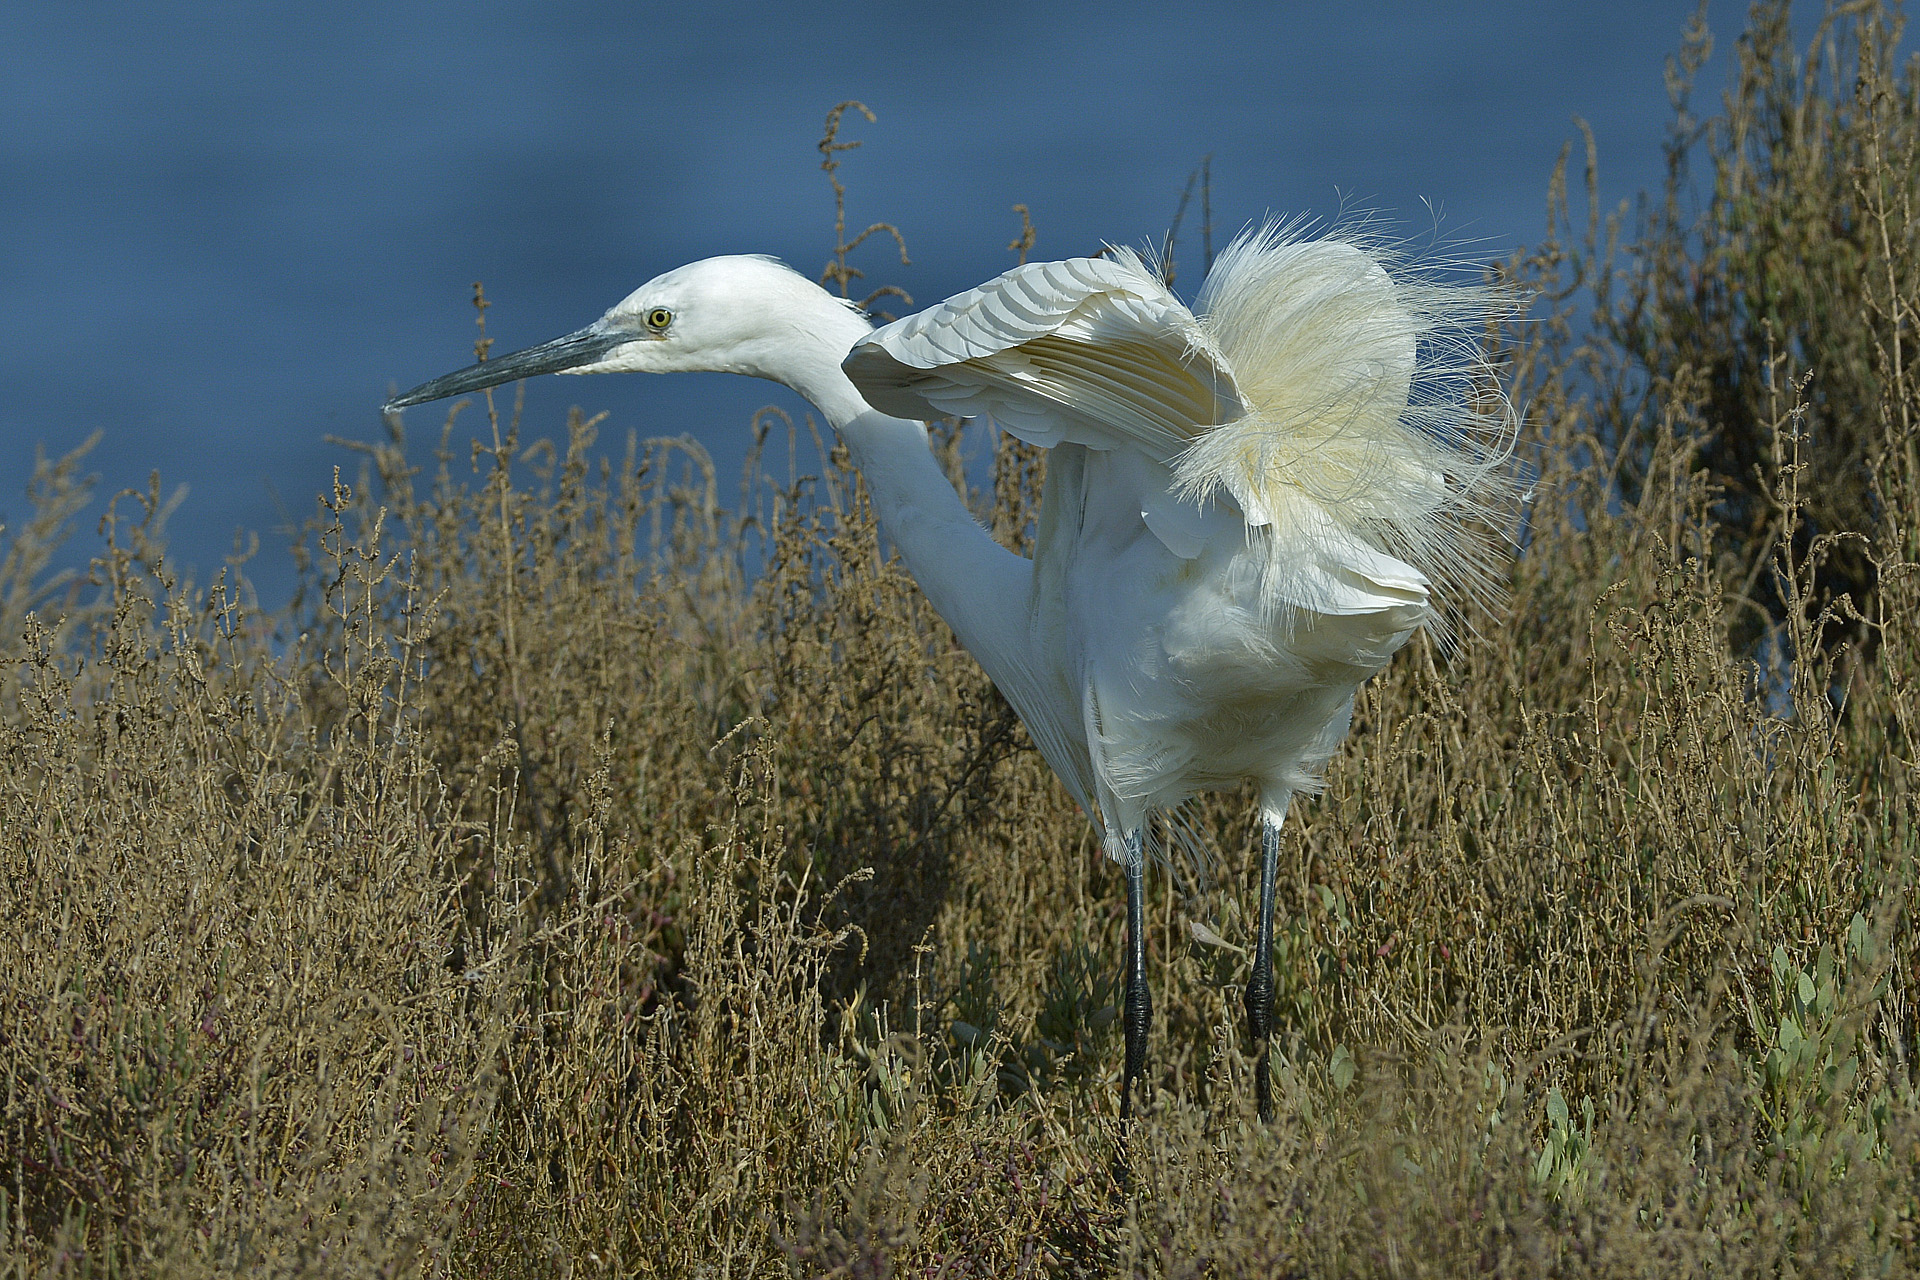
{"type": "Point", "coordinates": [1246, 510]}
{"type": "Point", "coordinates": [1249, 506]}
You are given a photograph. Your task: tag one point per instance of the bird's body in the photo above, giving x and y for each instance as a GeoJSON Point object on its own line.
{"type": "Point", "coordinates": [1246, 510]}
{"type": "Point", "coordinates": [1168, 674]}
{"type": "Point", "coordinates": [1230, 511]}
{"type": "Point", "coordinates": [1156, 674]}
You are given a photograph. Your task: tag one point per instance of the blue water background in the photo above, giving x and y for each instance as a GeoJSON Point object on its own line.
{"type": "Point", "coordinates": [227, 232]}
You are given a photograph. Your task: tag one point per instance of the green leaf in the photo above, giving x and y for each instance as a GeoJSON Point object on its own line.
{"type": "Point", "coordinates": [1341, 1068]}
{"type": "Point", "coordinates": [1557, 1109]}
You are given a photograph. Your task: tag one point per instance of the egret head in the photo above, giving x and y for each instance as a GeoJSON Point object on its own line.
{"type": "Point", "coordinates": [738, 314]}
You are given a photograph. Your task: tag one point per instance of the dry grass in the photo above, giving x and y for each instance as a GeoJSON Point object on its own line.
{"type": "Point", "coordinates": [583, 878]}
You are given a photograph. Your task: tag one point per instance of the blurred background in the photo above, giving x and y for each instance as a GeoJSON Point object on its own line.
{"type": "Point", "coordinates": [229, 232]}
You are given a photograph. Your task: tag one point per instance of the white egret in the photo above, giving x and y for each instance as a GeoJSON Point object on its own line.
{"type": "Point", "coordinates": [1249, 506]}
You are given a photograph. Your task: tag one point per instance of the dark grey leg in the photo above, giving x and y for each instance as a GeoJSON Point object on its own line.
{"type": "Point", "coordinates": [1138, 1010]}
{"type": "Point", "coordinates": [1260, 985]}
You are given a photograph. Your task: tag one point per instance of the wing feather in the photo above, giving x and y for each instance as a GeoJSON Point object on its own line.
{"type": "Point", "coordinates": [1298, 415]}
{"type": "Point", "coordinates": [1088, 350]}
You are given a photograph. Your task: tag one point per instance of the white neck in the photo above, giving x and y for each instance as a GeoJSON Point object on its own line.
{"type": "Point", "coordinates": [979, 587]}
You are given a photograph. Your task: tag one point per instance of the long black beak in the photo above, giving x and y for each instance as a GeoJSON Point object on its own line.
{"type": "Point", "coordinates": [581, 347]}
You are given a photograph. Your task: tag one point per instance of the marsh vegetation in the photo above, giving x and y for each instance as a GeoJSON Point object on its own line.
{"type": "Point", "coordinates": [598, 869]}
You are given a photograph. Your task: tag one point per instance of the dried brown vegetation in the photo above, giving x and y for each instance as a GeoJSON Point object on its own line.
{"type": "Point", "coordinates": [583, 878]}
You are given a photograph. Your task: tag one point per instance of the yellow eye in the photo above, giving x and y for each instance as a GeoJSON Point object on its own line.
{"type": "Point", "coordinates": [659, 318]}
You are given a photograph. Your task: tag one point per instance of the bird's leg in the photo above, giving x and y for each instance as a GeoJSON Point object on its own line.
{"type": "Point", "coordinates": [1139, 1003]}
{"type": "Point", "coordinates": [1260, 985]}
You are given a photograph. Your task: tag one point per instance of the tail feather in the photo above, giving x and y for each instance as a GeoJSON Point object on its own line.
{"type": "Point", "coordinates": [1374, 415]}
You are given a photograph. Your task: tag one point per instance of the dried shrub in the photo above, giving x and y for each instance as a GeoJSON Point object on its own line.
{"type": "Point", "coordinates": [586, 877]}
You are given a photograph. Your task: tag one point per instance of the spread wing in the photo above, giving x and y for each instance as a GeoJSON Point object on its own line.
{"type": "Point", "coordinates": [1089, 351]}
{"type": "Point", "coordinates": [1323, 411]}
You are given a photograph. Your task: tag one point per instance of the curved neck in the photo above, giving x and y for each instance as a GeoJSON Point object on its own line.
{"type": "Point", "coordinates": [979, 587]}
